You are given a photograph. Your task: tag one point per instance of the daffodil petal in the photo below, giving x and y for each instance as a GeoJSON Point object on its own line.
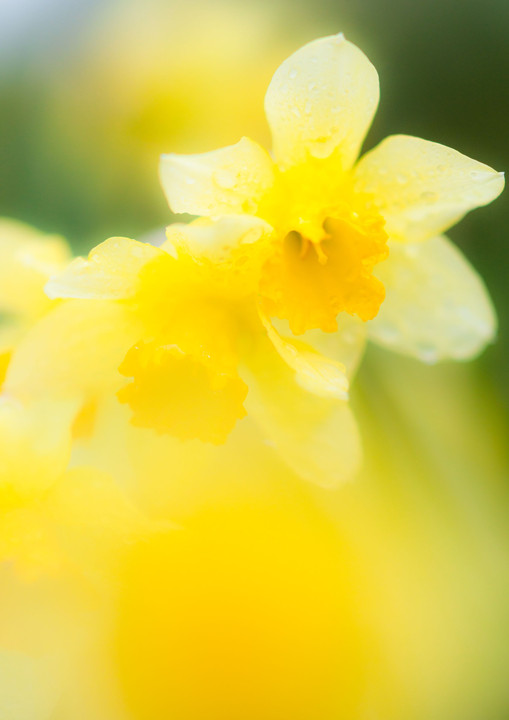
{"type": "Point", "coordinates": [322, 99]}
{"type": "Point", "coordinates": [11, 333]}
{"type": "Point", "coordinates": [316, 437]}
{"type": "Point", "coordinates": [421, 188]}
{"type": "Point", "coordinates": [314, 372]}
{"type": "Point", "coordinates": [233, 249]}
{"type": "Point", "coordinates": [217, 240]}
{"type": "Point", "coordinates": [436, 306]}
{"type": "Point", "coordinates": [27, 259]}
{"type": "Point", "coordinates": [78, 346]}
{"type": "Point", "coordinates": [88, 500]}
{"type": "Point", "coordinates": [34, 445]}
{"type": "Point", "coordinates": [231, 180]}
{"type": "Point", "coordinates": [30, 685]}
{"type": "Point", "coordinates": [345, 346]}
{"type": "Point", "coordinates": [109, 273]}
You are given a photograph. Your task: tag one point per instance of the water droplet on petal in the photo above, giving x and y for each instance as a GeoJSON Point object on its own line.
{"type": "Point", "coordinates": [388, 334]}
{"type": "Point", "coordinates": [411, 251]}
{"type": "Point", "coordinates": [224, 179]}
{"type": "Point", "coordinates": [429, 196]}
{"type": "Point", "coordinates": [481, 175]}
{"type": "Point", "coordinates": [428, 354]}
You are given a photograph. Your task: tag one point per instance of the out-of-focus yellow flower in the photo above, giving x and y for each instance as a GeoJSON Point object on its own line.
{"type": "Point", "coordinates": [148, 76]}
{"type": "Point", "coordinates": [162, 72]}
{"type": "Point", "coordinates": [42, 533]}
{"type": "Point", "coordinates": [268, 594]}
{"type": "Point", "coordinates": [28, 258]}
{"type": "Point", "coordinates": [198, 356]}
{"type": "Point", "coordinates": [335, 219]}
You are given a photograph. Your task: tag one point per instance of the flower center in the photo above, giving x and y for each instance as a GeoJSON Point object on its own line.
{"type": "Point", "coordinates": [330, 242]}
{"type": "Point", "coordinates": [310, 283]}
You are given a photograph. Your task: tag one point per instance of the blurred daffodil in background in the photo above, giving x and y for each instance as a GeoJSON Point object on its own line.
{"type": "Point", "coordinates": [166, 424]}
{"type": "Point", "coordinates": [27, 260]}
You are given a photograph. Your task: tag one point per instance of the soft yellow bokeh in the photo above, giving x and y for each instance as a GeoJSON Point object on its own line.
{"type": "Point", "coordinates": [146, 576]}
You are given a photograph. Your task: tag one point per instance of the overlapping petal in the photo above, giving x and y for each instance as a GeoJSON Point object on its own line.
{"type": "Point", "coordinates": [345, 346]}
{"type": "Point", "coordinates": [314, 372]}
{"type": "Point", "coordinates": [27, 259]}
{"type": "Point", "coordinates": [421, 188]}
{"type": "Point", "coordinates": [231, 180]}
{"type": "Point", "coordinates": [40, 413]}
{"type": "Point", "coordinates": [218, 240]}
{"type": "Point", "coordinates": [78, 346]}
{"type": "Point", "coordinates": [436, 307]}
{"type": "Point", "coordinates": [321, 100]}
{"type": "Point", "coordinates": [34, 446]}
{"type": "Point", "coordinates": [317, 437]}
{"type": "Point", "coordinates": [231, 250]}
{"type": "Point", "coordinates": [109, 273]}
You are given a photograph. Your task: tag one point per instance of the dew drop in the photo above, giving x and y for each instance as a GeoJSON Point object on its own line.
{"type": "Point", "coordinates": [225, 179]}
{"type": "Point", "coordinates": [411, 251]}
{"type": "Point", "coordinates": [428, 354]}
{"type": "Point", "coordinates": [388, 334]}
{"type": "Point", "coordinates": [479, 175]}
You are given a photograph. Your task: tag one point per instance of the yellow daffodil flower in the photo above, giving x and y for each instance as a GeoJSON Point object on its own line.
{"type": "Point", "coordinates": [362, 237]}
{"type": "Point", "coordinates": [181, 344]}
